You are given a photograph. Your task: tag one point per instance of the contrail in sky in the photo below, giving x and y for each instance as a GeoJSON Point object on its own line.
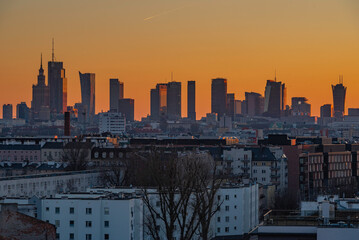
{"type": "Point", "coordinates": [167, 12]}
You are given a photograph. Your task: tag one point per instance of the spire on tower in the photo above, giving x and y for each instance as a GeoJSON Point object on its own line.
{"type": "Point", "coordinates": [53, 50]}
{"type": "Point", "coordinates": [41, 61]}
{"type": "Point", "coordinates": [340, 79]}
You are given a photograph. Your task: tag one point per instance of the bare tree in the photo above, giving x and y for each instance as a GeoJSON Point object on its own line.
{"type": "Point", "coordinates": [183, 195]}
{"type": "Point", "coordinates": [76, 155]}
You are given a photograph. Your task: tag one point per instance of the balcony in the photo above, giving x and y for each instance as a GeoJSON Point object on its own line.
{"type": "Point", "coordinates": [245, 168]}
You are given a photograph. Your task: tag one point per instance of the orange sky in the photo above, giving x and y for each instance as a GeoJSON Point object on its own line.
{"type": "Point", "coordinates": [309, 42]}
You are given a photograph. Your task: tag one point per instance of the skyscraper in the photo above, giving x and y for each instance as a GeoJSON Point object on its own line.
{"type": "Point", "coordinates": [254, 104]}
{"type": "Point", "coordinates": [7, 111]}
{"type": "Point", "coordinates": [57, 84]}
{"type": "Point", "coordinates": [231, 105]}
{"type": "Point", "coordinates": [219, 96]}
{"type": "Point", "coordinates": [87, 81]}
{"type": "Point", "coordinates": [126, 106]}
{"type": "Point", "coordinates": [300, 106]}
{"type": "Point", "coordinates": [22, 111]}
{"type": "Point", "coordinates": [40, 94]}
{"type": "Point", "coordinates": [116, 93]}
{"type": "Point", "coordinates": [326, 111]}
{"type": "Point", "coordinates": [174, 100]}
{"type": "Point", "coordinates": [191, 100]}
{"type": "Point", "coordinates": [339, 92]}
{"type": "Point", "coordinates": [159, 101]}
{"type": "Point", "coordinates": [275, 99]}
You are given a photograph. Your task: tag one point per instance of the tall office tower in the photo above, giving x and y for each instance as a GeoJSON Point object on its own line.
{"type": "Point", "coordinates": [174, 100]}
{"type": "Point", "coordinates": [191, 100]}
{"type": "Point", "coordinates": [7, 111]}
{"type": "Point", "coordinates": [57, 85]}
{"type": "Point", "coordinates": [254, 104]}
{"type": "Point", "coordinates": [275, 99]}
{"type": "Point", "coordinates": [116, 93]}
{"type": "Point", "coordinates": [22, 111]}
{"type": "Point", "coordinates": [67, 125]}
{"type": "Point", "coordinates": [238, 107]}
{"type": "Point", "coordinates": [40, 94]}
{"type": "Point", "coordinates": [126, 106]}
{"type": "Point", "coordinates": [230, 105]}
{"type": "Point", "coordinates": [339, 92]}
{"type": "Point", "coordinates": [326, 111]}
{"type": "Point", "coordinates": [87, 81]}
{"type": "Point", "coordinates": [159, 101]}
{"type": "Point", "coordinates": [300, 106]}
{"type": "Point", "coordinates": [219, 96]}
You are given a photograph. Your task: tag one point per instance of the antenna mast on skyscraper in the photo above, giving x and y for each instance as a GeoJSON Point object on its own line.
{"type": "Point", "coordinates": [41, 61]}
{"type": "Point", "coordinates": [340, 79]}
{"type": "Point", "coordinates": [275, 74]}
{"type": "Point", "coordinates": [53, 50]}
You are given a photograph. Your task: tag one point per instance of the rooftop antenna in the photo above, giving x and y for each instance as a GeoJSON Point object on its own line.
{"type": "Point", "coordinates": [341, 79]}
{"type": "Point", "coordinates": [53, 50]}
{"type": "Point", "coordinates": [275, 74]}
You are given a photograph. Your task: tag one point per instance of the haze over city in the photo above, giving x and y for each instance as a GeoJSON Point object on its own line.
{"type": "Point", "coordinates": [308, 43]}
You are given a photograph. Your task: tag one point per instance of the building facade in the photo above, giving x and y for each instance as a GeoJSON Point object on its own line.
{"type": "Point", "coordinates": [219, 96]}
{"type": "Point", "coordinates": [87, 81]}
{"type": "Point", "coordinates": [191, 100]}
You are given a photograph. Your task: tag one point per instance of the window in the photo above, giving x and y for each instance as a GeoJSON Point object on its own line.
{"type": "Point", "coordinates": [72, 210]}
{"type": "Point", "coordinates": [218, 230]}
{"type": "Point", "coordinates": [157, 203]}
{"type": "Point", "coordinates": [227, 218]}
{"type": "Point", "coordinates": [106, 224]}
{"type": "Point", "coordinates": [72, 236]}
{"type": "Point", "coordinates": [57, 223]}
{"type": "Point", "coordinates": [47, 209]}
{"type": "Point", "coordinates": [227, 208]}
{"type": "Point", "coordinates": [263, 171]}
{"type": "Point", "coordinates": [57, 210]}
{"type": "Point", "coordinates": [72, 223]}
{"type": "Point", "coordinates": [106, 211]}
{"type": "Point", "coordinates": [235, 217]}
{"type": "Point", "coordinates": [226, 229]}
{"type": "Point", "coordinates": [218, 219]}
{"type": "Point", "coordinates": [88, 211]}
{"type": "Point", "coordinates": [88, 237]}
{"type": "Point", "coordinates": [88, 224]}
{"type": "Point", "coordinates": [235, 206]}
{"type": "Point", "coordinates": [107, 236]}
{"type": "Point", "coordinates": [57, 236]}
{"type": "Point", "coordinates": [219, 197]}
{"type": "Point", "coordinates": [227, 197]}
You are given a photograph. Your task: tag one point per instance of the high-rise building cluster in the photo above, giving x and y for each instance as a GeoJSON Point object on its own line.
{"type": "Point", "coordinates": [49, 104]}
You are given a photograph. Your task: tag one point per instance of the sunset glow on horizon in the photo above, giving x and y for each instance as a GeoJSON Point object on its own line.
{"type": "Point", "coordinates": [308, 43]}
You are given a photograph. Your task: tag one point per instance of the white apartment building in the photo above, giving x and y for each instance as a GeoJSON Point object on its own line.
{"type": "Point", "coordinates": [94, 216]}
{"type": "Point", "coordinates": [237, 215]}
{"type": "Point", "coordinates": [238, 161]}
{"type": "Point", "coordinates": [267, 166]}
{"type": "Point", "coordinates": [112, 122]}
{"type": "Point", "coordinates": [48, 184]}
{"type": "Point", "coordinates": [238, 212]}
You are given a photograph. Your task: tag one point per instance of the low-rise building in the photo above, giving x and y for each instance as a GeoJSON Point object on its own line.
{"type": "Point", "coordinates": [47, 184]}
